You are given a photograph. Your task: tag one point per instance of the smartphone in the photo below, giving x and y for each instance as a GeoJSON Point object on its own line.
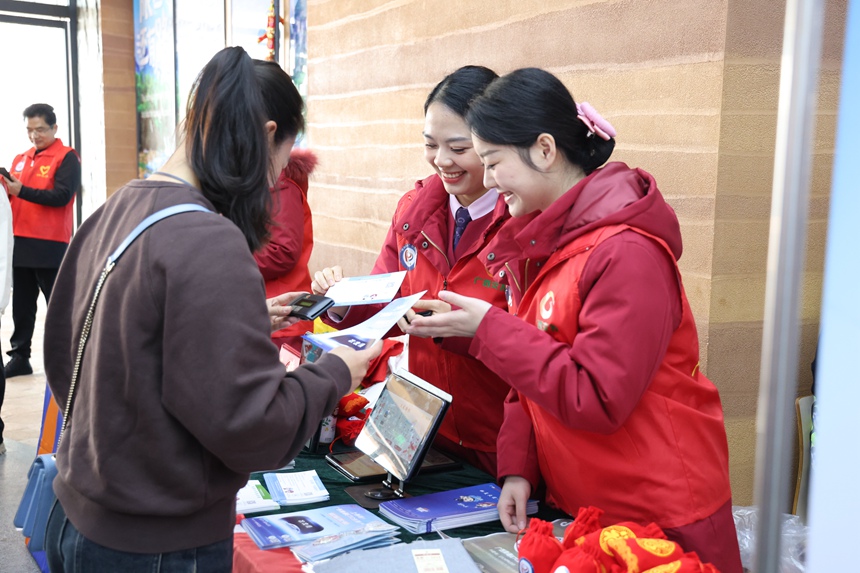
{"type": "Point", "coordinates": [5, 173]}
{"type": "Point", "coordinates": [310, 306]}
{"type": "Point", "coordinates": [359, 467]}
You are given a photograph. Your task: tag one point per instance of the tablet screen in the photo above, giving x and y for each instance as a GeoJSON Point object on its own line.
{"type": "Point", "coordinates": [402, 424]}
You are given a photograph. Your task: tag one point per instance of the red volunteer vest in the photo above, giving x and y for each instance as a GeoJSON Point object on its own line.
{"type": "Point", "coordinates": [38, 171]}
{"type": "Point", "coordinates": [668, 463]}
{"type": "Point", "coordinates": [476, 412]}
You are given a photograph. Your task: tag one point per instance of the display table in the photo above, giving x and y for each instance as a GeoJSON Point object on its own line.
{"type": "Point", "coordinates": [248, 558]}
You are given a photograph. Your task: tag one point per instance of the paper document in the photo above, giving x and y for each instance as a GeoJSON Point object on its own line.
{"type": "Point", "coordinates": [362, 335]}
{"type": "Point", "coordinates": [371, 289]}
{"type": "Point", "coordinates": [296, 488]}
{"type": "Point", "coordinates": [254, 498]}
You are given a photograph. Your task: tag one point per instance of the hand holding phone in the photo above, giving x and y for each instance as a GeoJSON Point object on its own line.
{"type": "Point", "coordinates": [5, 173]}
{"type": "Point", "coordinates": [310, 306]}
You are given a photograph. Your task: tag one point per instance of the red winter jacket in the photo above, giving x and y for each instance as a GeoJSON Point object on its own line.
{"type": "Point", "coordinates": [608, 406]}
{"type": "Point", "coordinates": [283, 261]}
{"type": "Point", "coordinates": [418, 243]}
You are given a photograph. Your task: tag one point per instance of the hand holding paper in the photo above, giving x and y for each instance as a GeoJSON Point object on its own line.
{"type": "Point", "coordinates": [357, 361]}
{"type": "Point", "coordinates": [362, 335]}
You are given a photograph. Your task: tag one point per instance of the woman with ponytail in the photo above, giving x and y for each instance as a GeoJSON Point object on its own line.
{"type": "Point", "coordinates": [180, 393]}
{"type": "Point", "coordinates": [608, 406]}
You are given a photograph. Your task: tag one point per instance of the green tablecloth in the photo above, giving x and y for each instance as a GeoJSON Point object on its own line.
{"type": "Point", "coordinates": [422, 484]}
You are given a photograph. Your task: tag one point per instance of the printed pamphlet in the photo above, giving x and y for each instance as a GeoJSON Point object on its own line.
{"type": "Point", "coordinates": [369, 289]}
{"type": "Point", "coordinates": [253, 498]}
{"type": "Point", "coordinates": [340, 525]}
{"type": "Point", "coordinates": [296, 487]}
{"type": "Point", "coordinates": [447, 509]}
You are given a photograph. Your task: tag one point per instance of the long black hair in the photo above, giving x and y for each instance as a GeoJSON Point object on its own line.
{"type": "Point", "coordinates": [457, 90]}
{"type": "Point", "coordinates": [227, 146]}
{"type": "Point", "coordinates": [516, 108]}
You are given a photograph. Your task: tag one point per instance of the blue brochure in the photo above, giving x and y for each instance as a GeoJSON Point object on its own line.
{"type": "Point", "coordinates": [333, 522]}
{"type": "Point", "coordinates": [447, 509]}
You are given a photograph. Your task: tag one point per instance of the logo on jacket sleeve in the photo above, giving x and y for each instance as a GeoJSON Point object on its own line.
{"type": "Point", "coordinates": [408, 257]}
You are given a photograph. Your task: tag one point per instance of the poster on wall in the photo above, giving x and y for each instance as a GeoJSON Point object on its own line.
{"type": "Point", "coordinates": [155, 79]}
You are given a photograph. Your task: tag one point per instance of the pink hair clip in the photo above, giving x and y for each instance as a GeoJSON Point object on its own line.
{"type": "Point", "coordinates": [594, 121]}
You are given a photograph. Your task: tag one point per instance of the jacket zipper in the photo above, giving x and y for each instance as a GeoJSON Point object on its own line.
{"type": "Point", "coordinates": [437, 248]}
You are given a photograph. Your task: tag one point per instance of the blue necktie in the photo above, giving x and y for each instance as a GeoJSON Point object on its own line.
{"type": "Point", "coordinates": [461, 219]}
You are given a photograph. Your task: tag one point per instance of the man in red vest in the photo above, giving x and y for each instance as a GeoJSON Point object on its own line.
{"type": "Point", "coordinates": [41, 191]}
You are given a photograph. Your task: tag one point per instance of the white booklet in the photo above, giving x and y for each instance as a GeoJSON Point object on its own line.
{"type": "Point", "coordinates": [369, 289]}
{"type": "Point", "coordinates": [296, 487]}
{"type": "Point", "coordinates": [253, 498]}
{"type": "Point", "coordinates": [362, 335]}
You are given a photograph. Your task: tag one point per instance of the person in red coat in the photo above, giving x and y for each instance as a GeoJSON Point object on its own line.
{"type": "Point", "coordinates": [283, 261]}
{"type": "Point", "coordinates": [608, 407]}
{"type": "Point", "coordinates": [436, 233]}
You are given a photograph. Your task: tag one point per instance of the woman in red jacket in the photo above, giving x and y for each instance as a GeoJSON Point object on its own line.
{"type": "Point", "coordinates": [608, 406]}
{"type": "Point", "coordinates": [283, 261]}
{"type": "Point", "coordinates": [435, 236]}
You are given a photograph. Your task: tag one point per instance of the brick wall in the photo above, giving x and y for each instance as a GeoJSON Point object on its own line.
{"type": "Point", "coordinates": [120, 123]}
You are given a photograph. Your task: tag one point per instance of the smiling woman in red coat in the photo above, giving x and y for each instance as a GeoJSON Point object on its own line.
{"type": "Point", "coordinates": [608, 407]}
{"type": "Point", "coordinates": [436, 233]}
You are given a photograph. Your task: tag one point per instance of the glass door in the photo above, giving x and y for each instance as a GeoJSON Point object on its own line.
{"type": "Point", "coordinates": [35, 40]}
{"type": "Point", "coordinates": [42, 78]}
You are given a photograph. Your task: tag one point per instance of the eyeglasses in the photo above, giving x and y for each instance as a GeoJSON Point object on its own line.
{"type": "Point", "coordinates": [39, 130]}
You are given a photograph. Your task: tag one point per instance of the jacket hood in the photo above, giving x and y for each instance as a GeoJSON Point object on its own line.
{"type": "Point", "coordinates": [612, 195]}
{"type": "Point", "coordinates": [302, 164]}
{"type": "Point", "coordinates": [617, 195]}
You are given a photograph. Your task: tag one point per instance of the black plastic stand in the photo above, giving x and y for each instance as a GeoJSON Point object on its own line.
{"type": "Point", "coordinates": [369, 496]}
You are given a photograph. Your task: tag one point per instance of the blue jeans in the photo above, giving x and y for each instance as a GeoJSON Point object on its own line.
{"type": "Point", "coordinates": [70, 552]}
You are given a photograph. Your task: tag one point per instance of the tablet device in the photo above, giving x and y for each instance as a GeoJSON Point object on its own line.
{"type": "Point", "coordinates": [403, 423]}
{"type": "Point", "coordinates": [358, 466]}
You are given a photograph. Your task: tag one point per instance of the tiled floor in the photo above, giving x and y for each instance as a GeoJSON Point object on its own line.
{"type": "Point", "coordinates": [22, 413]}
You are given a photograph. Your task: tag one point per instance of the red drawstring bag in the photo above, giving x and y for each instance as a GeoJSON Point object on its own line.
{"type": "Point", "coordinates": [688, 563]}
{"type": "Point", "coordinates": [539, 548]}
{"type": "Point", "coordinates": [599, 540]}
{"type": "Point", "coordinates": [582, 559]}
{"type": "Point", "coordinates": [350, 417]}
{"type": "Point", "coordinates": [587, 521]}
{"type": "Point", "coordinates": [643, 553]}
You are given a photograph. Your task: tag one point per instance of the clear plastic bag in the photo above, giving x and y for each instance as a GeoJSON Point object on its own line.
{"type": "Point", "coordinates": [793, 543]}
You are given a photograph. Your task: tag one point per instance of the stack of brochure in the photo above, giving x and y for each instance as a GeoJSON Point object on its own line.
{"type": "Point", "coordinates": [296, 488]}
{"type": "Point", "coordinates": [321, 533]}
{"type": "Point", "coordinates": [253, 498]}
{"type": "Point", "coordinates": [447, 509]}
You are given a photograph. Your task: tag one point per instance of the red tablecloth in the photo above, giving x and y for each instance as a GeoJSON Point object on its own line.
{"type": "Point", "coordinates": [248, 558]}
